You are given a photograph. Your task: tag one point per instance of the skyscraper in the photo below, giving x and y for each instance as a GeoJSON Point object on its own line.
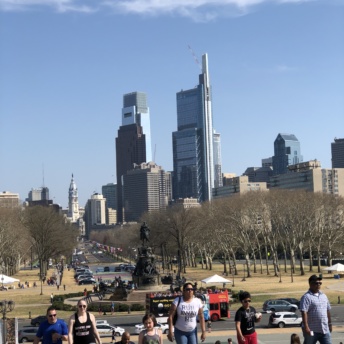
{"type": "Point", "coordinates": [130, 150]}
{"type": "Point", "coordinates": [193, 159]}
{"type": "Point", "coordinates": [145, 190]}
{"type": "Point", "coordinates": [135, 110]}
{"type": "Point", "coordinates": [217, 160]}
{"type": "Point", "coordinates": [287, 152]}
{"type": "Point", "coordinates": [337, 152]}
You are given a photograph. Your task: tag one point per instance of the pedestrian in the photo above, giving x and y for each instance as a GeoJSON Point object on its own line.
{"type": "Point", "coordinates": [82, 326]}
{"type": "Point", "coordinates": [186, 307]}
{"type": "Point", "coordinates": [245, 318]}
{"type": "Point", "coordinates": [113, 336]}
{"type": "Point", "coordinates": [209, 325]}
{"type": "Point", "coordinates": [112, 307]}
{"type": "Point", "coordinates": [295, 339]}
{"type": "Point", "coordinates": [100, 308]}
{"type": "Point", "coordinates": [230, 341]}
{"type": "Point", "coordinates": [52, 330]}
{"type": "Point", "coordinates": [64, 287]}
{"type": "Point", "coordinates": [125, 339]}
{"type": "Point", "coordinates": [316, 316]}
{"type": "Point", "coordinates": [51, 298]}
{"type": "Point", "coordinates": [151, 334]}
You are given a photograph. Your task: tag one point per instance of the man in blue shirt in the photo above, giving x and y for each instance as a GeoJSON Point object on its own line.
{"type": "Point", "coordinates": [316, 316]}
{"type": "Point", "coordinates": [52, 330]}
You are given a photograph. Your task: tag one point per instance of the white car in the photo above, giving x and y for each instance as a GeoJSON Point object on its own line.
{"type": "Point", "coordinates": [107, 329]}
{"type": "Point", "coordinates": [163, 327]}
{"type": "Point", "coordinates": [282, 319]}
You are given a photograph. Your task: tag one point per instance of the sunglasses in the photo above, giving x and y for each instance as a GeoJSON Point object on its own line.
{"type": "Point", "coordinates": [188, 289]}
{"type": "Point", "coordinates": [246, 301]}
{"type": "Point", "coordinates": [52, 315]}
{"type": "Point", "coordinates": [317, 283]}
{"type": "Point", "coordinates": [82, 306]}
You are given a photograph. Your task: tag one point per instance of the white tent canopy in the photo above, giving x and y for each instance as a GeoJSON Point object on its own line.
{"type": "Point", "coordinates": [216, 279]}
{"type": "Point", "coordinates": [7, 280]}
{"type": "Point", "coordinates": [336, 268]}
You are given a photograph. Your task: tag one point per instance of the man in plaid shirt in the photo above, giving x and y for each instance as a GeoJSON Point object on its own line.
{"type": "Point", "coordinates": [316, 316]}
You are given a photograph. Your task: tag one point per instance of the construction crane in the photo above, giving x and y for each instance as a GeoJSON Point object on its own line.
{"type": "Point", "coordinates": [195, 57]}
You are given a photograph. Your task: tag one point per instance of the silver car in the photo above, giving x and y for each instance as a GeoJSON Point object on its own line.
{"type": "Point", "coordinates": [279, 306]}
{"type": "Point", "coordinates": [27, 334]}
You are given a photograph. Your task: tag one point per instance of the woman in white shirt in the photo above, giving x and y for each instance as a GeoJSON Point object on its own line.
{"type": "Point", "coordinates": [187, 307]}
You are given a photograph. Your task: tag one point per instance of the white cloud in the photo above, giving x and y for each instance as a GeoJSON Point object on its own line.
{"type": "Point", "coordinates": [57, 5]}
{"type": "Point", "coordinates": [204, 10]}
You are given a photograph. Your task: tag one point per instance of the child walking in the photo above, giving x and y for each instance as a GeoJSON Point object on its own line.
{"type": "Point", "coordinates": [150, 335]}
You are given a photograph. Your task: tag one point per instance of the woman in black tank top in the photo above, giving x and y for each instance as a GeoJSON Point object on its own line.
{"type": "Point", "coordinates": [82, 326]}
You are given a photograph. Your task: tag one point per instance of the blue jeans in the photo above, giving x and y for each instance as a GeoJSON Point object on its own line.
{"type": "Point", "coordinates": [185, 337]}
{"type": "Point", "coordinates": [323, 338]}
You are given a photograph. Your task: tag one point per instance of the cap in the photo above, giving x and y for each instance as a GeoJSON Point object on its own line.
{"type": "Point", "coordinates": [314, 278]}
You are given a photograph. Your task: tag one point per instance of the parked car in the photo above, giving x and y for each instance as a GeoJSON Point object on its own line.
{"type": "Point", "coordinates": [87, 281]}
{"type": "Point", "coordinates": [292, 300]}
{"type": "Point", "coordinates": [107, 329]}
{"type": "Point", "coordinates": [37, 321]}
{"type": "Point", "coordinates": [163, 327]}
{"type": "Point", "coordinates": [106, 269]}
{"type": "Point", "coordinates": [27, 334]}
{"type": "Point", "coordinates": [282, 319]}
{"type": "Point", "coordinates": [84, 276]}
{"type": "Point", "coordinates": [102, 322]}
{"type": "Point", "coordinates": [279, 306]}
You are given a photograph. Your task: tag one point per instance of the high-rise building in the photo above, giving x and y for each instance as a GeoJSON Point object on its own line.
{"type": "Point", "coordinates": [73, 202]}
{"type": "Point", "coordinates": [145, 190]}
{"type": "Point", "coordinates": [41, 194]}
{"type": "Point", "coordinates": [9, 200]}
{"type": "Point", "coordinates": [311, 177]}
{"type": "Point", "coordinates": [337, 152]}
{"type": "Point", "coordinates": [95, 213]}
{"type": "Point", "coordinates": [130, 150]}
{"type": "Point", "coordinates": [217, 160]}
{"type": "Point", "coordinates": [109, 192]}
{"type": "Point", "coordinates": [136, 110]}
{"type": "Point", "coordinates": [287, 152]}
{"type": "Point", "coordinates": [193, 151]}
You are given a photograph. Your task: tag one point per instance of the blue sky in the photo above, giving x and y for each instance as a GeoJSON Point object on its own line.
{"type": "Point", "coordinates": [275, 66]}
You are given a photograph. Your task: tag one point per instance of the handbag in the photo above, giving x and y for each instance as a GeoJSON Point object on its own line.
{"type": "Point", "coordinates": [175, 317]}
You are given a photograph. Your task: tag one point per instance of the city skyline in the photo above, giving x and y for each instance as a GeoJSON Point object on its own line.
{"type": "Point", "coordinates": [65, 66]}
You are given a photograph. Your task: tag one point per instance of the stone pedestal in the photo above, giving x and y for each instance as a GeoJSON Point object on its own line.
{"type": "Point", "coordinates": [146, 282]}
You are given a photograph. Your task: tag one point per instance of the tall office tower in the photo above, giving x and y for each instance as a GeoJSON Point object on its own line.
{"type": "Point", "coordinates": [95, 213]}
{"type": "Point", "coordinates": [109, 192]}
{"type": "Point", "coordinates": [145, 190]}
{"type": "Point", "coordinates": [41, 194]}
{"type": "Point", "coordinates": [135, 110]}
{"type": "Point", "coordinates": [130, 150]}
{"type": "Point", "coordinates": [193, 159]}
{"type": "Point", "coordinates": [337, 152]}
{"type": "Point", "coordinates": [73, 203]}
{"type": "Point", "coordinates": [217, 160]}
{"type": "Point", "coordinates": [287, 152]}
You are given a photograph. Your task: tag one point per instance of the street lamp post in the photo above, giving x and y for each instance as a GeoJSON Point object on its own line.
{"type": "Point", "coordinates": [5, 307]}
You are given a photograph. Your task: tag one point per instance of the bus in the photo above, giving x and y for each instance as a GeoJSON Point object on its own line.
{"type": "Point", "coordinates": [216, 305]}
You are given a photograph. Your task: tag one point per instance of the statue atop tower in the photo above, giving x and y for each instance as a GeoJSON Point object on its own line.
{"type": "Point", "coordinates": [73, 203]}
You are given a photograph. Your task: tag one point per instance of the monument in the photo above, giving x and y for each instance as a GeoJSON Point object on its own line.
{"type": "Point", "coordinates": [145, 274]}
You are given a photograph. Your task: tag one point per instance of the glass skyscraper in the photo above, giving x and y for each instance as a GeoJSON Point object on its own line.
{"type": "Point", "coordinates": [287, 152]}
{"type": "Point", "coordinates": [193, 152]}
{"type": "Point", "coordinates": [136, 111]}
